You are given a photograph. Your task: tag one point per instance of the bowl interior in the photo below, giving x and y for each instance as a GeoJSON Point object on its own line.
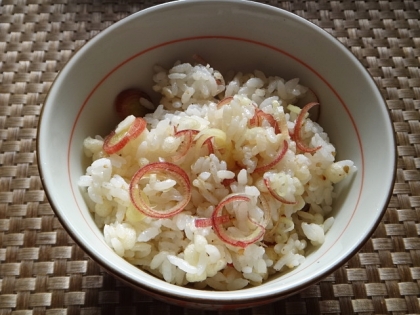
{"type": "Point", "coordinates": [243, 36]}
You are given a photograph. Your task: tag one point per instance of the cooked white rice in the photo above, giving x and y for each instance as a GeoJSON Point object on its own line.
{"type": "Point", "coordinates": [173, 248]}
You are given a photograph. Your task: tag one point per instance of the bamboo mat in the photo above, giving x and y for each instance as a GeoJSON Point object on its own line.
{"type": "Point", "coordinates": [42, 271]}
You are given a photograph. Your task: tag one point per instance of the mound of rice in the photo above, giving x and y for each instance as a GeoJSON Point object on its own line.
{"type": "Point", "coordinates": [174, 248]}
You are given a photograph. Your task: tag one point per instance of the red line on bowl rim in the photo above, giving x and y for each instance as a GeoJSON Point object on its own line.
{"type": "Point", "coordinates": [233, 39]}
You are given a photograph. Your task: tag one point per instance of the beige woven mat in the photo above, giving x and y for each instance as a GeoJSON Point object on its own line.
{"type": "Point", "coordinates": [42, 271]}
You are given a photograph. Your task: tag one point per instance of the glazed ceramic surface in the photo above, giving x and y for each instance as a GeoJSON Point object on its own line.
{"type": "Point", "coordinates": [236, 35]}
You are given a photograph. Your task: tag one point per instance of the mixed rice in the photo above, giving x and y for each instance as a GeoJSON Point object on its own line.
{"type": "Point", "coordinates": [227, 183]}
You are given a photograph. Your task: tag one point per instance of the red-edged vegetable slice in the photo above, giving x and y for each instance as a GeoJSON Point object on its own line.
{"type": "Point", "coordinates": [164, 170]}
{"type": "Point", "coordinates": [310, 97]}
{"type": "Point", "coordinates": [276, 195]}
{"type": "Point", "coordinates": [215, 141]}
{"type": "Point", "coordinates": [128, 102]}
{"type": "Point", "coordinates": [114, 142]}
{"type": "Point", "coordinates": [280, 155]}
{"type": "Point", "coordinates": [224, 101]}
{"type": "Point", "coordinates": [298, 126]}
{"type": "Point", "coordinates": [186, 144]}
{"type": "Point", "coordinates": [203, 222]}
{"type": "Point", "coordinates": [221, 232]}
{"type": "Point", "coordinates": [260, 116]}
{"type": "Point", "coordinates": [228, 181]}
{"type": "Point", "coordinates": [209, 143]}
{"type": "Point", "coordinates": [206, 222]}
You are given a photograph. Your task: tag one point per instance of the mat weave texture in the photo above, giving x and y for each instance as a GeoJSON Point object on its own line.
{"type": "Point", "coordinates": [42, 271]}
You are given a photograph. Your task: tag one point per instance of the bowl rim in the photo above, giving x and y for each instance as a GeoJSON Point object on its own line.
{"type": "Point", "coordinates": [223, 297]}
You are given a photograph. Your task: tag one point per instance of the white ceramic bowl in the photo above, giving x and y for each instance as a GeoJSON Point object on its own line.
{"type": "Point", "coordinates": [237, 35]}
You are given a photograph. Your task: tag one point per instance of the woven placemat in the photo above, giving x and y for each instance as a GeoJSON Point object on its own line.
{"type": "Point", "coordinates": [42, 271]}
